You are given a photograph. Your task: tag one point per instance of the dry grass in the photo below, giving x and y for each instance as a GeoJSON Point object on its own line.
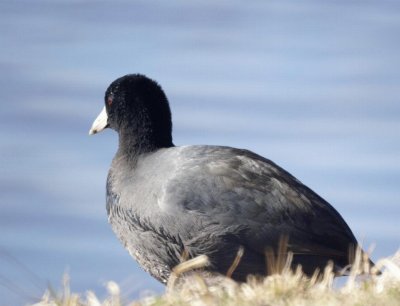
{"type": "Point", "coordinates": [287, 288]}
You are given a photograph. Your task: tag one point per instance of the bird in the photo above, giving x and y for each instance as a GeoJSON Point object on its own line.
{"type": "Point", "coordinates": [164, 200]}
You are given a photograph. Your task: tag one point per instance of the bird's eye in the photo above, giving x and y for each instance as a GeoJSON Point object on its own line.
{"type": "Point", "coordinates": [109, 101]}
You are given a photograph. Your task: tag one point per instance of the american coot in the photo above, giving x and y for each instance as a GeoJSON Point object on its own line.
{"type": "Point", "coordinates": [163, 200]}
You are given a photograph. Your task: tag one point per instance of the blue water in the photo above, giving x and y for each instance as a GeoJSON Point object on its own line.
{"type": "Point", "coordinates": [312, 85]}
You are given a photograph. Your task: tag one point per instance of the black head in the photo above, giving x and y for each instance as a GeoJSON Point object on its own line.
{"type": "Point", "coordinates": [137, 108]}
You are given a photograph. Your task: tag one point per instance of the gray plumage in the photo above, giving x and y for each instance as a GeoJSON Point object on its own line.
{"type": "Point", "coordinates": [212, 200]}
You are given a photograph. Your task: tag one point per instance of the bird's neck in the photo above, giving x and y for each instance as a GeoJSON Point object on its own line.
{"type": "Point", "coordinates": [132, 145]}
